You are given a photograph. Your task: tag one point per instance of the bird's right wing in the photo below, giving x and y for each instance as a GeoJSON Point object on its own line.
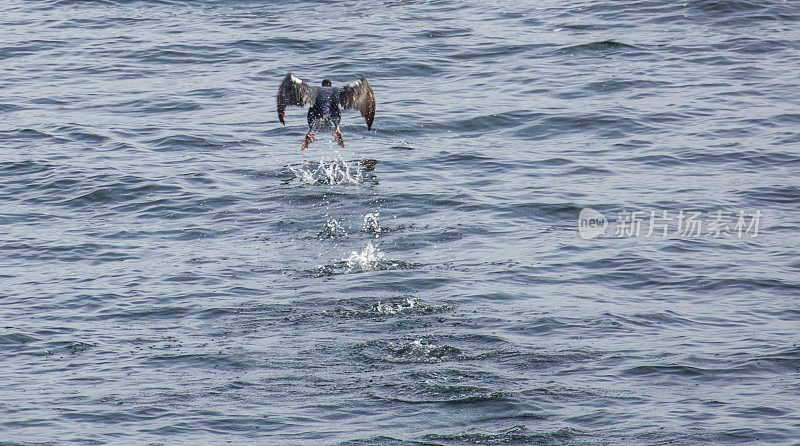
{"type": "Point", "coordinates": [293, 91]}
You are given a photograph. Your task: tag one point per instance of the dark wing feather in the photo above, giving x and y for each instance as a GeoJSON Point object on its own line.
{"type": "Point", "coordinates": [293, 91]}
{"type": "Point", "coordinates": [359, 95]}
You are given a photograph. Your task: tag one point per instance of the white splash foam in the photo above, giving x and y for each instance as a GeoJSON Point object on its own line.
{"type": "Point", "coordinates": [371, 224]}
{"type": "Point", "coordinates": [420, 349]}
{"type": "Point", "coordinates": [417, 348]}
{"type": "Point", "coordinates": [332, 229]}
{"type": "Point", "coordinates": [336, 171]}
{"type": "Point", "coordinates": [408, 305]}
{"type": "Point", "coordinates": [366, 260]}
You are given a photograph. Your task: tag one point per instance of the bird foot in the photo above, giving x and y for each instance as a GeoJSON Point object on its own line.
{"type": "Point", "coordinates": [338, 136]}
{"type": "Point", "coordinates": [309, 139]}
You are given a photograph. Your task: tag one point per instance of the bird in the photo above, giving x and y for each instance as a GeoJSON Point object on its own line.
{"type": "Point", "coordinates": [324, 113]}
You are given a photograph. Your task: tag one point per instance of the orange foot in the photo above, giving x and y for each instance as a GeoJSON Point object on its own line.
{"type": "Point", "coordinates": [338, 136]}
{"type": "Point", "coordinates": [309, 139]}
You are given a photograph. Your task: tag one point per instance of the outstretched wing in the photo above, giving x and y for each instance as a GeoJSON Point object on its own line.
{"type": "Point", "coordinates": [294, 91]}
{"type": "Point", "coordinates": [359, 95]}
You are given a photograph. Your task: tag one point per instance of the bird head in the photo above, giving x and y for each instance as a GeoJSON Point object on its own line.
{"type": "Point", "coordinates": [326, 82]}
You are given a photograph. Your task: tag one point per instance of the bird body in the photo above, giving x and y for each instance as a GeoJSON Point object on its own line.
{"type": "Point", "coordinates": [325, 114]}
{"type": "Point", "coordinates": [326, 102]}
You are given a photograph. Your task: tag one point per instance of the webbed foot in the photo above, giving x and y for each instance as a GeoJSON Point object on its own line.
{"type": "Point", "coordinates": [338, 136]}
{"type": "Point", "coordinates": [309, 139]}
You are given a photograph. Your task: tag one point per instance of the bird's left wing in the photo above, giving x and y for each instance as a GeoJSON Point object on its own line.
{"type": "Point", "coordinates": [359, 95]}
{"type": "Point", "coordinates": [293, 91]}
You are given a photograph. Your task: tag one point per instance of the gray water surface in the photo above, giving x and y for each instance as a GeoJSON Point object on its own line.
{"type": "Point", "coordinates": [175, 270]}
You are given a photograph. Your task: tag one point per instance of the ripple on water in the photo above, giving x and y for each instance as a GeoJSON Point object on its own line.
{"type": "Point", "coordinates": [604, 47]}
{"type": "Point", "coordinates": [386, 308]}
{"type": "Point", "coordinates": [514, 435]}
{"type": "Point", "coordinates": [431, 349]}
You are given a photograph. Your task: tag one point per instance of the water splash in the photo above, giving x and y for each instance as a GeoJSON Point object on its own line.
{"type": "Point", "coordinates": [369, 259]}
{"type": "Point", "coordinates": [424, 351]}
{"type": "Point", "coordinates": [334, 172]}
{"type": "Point", "coordinates": [408, 305]}
{"type": "Point", "coordinates": [332, 229]}
{"type": "Point", "coordinates": [371, 224]}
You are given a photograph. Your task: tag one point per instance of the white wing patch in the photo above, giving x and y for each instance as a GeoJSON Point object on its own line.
{"type": "Point", "coordinates": [295, 79]}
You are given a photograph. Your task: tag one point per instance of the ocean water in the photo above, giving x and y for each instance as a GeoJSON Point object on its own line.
{"type": "Point", "coordinates": [174, 270]}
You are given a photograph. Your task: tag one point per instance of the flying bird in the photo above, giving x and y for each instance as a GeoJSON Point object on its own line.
{"type": "Point", "coordinates": [324, 113]}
